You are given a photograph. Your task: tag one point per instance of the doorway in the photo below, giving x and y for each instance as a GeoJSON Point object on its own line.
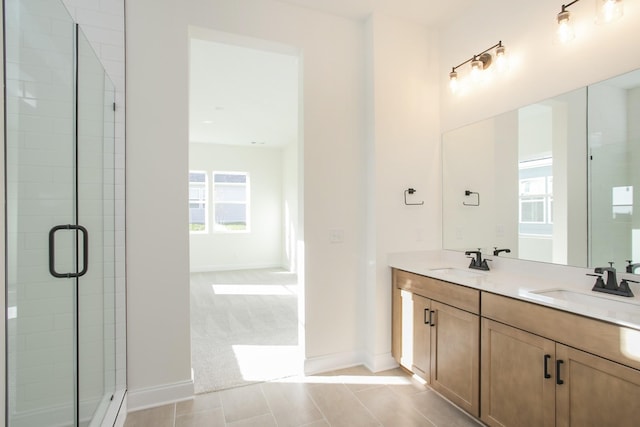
{"type": "Point", "coordinates": [244, 215]}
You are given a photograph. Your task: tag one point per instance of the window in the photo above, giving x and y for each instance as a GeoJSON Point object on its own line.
{"type": "Point", "coordinates": [535, 200]}
{"type": "Point", "coordinates": [197, 202]}
{"type": "Point", "coordinates": [536, 197]}
{"type": "Point", "coordinates": [622, 200]}
{"type": "Point", "coordinates": [231, 201]}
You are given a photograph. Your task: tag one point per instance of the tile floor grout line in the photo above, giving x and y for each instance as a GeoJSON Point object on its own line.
{"type": "Point", "coordinates": [324, 417]}
{"type": "Point", "coordinates": [267, 402]}
{"type": "Point", "coordinates": [365, 406]}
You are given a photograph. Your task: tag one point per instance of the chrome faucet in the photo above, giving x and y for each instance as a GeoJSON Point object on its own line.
{"type": "Point", "coordinates": [477, 263]}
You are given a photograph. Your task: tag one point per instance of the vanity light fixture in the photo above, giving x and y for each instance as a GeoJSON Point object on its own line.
{"type": "Point", "coordinates": [607, 11]}
{"type": "Point", "coordinates": [565, 30]}
{"type": "Point", "coordinates": [479, 63]}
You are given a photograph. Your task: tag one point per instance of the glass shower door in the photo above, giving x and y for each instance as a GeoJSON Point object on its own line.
{"type": "Point", "coordinates": [40, 192]}
{"type": "Point", "coordinates": [96, 296]}
{"type": "Point", "coordinates": [60, 248]}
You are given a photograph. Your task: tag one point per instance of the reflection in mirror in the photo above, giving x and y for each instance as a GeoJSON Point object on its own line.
{"type": "Point", "coordinates": [529, 168]}
{"type": "Point", "coordinates": [614, 171]}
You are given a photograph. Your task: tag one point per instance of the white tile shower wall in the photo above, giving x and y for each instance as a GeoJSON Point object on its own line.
{"type": "Point", "coordinates": [40, 102]}
{"type": "Point", "coordinates": [103, 23]}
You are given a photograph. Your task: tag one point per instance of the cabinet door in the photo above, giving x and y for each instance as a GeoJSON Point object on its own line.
{"type": "Point", "coordinates": [594, 391]}
{"type": "Point", "coordinates": [421, 337]}
{"type": "Point", "coordinates": [516, 390]}
{"type": "Point", "coordinates": [455, 354]}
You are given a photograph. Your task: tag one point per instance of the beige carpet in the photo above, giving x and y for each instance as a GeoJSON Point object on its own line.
{"type": "Point", "coordinates": [244, 327]}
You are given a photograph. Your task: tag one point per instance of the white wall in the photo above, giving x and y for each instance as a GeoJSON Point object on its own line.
{"type": "Point", "coordinates": [468, 162]}
{"type": "Point", "coordinates": [540, 67]}
{"type": "Point", "coordinates": [158, 356]}
{"type": "Point", "coordinates": [157, 145]}
{"type": "Point", "coordinates": [403, 151]}
{"type": "Point", "coordinates": [506, 211]}
{"type": "Point", "coordinates": [292, 185]}
{"type": "Point", "coordinates": [262, 246]}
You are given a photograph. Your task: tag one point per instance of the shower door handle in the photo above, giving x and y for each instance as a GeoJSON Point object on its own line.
{"type": "Point", "coordinates": [52, 250]}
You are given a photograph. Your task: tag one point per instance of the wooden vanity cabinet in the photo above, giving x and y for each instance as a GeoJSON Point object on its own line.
{"type": "Point", "coordinates": [455, 356]}
{"type": "Point", "coordinates": [595, 391]}
{"type": "Point", "coordinates": [514, 388]}
{"type": "Point", "coordinates": [443, 330]}
{"type": "Point", "coordinates": [531, 380]}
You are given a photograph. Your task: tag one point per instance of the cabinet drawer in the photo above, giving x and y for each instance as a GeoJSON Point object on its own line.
{"type": "Point", "coordinates": [455, 295]}
{"type": "Point", "coordinates": [604, 339]}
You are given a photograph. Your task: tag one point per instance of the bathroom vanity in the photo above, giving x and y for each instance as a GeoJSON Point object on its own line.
{"type": "Point", "coordinates": [525, 344]}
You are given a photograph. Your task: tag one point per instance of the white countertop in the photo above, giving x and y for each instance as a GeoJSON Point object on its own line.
{"type": "Point", "coordinates": [524, 280]}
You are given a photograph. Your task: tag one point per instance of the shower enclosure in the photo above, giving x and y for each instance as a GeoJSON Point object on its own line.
{"type": "Point", "coordinates": [60, 232]}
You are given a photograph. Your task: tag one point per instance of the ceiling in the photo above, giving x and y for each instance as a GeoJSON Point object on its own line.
{"type": "Point", "coordinates": [245, 96]}
{"type": "Point", "coordinates": [242, 96]}
{"type": "Point", "coordinates": [425, 12]}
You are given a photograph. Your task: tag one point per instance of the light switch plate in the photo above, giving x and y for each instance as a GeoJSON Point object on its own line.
{"type": "Point", "coordinates": [336, 236]}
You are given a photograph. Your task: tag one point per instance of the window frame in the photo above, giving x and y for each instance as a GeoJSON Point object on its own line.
{"type": "Point", "coordinates": [540, 170]}
{"type": "Point", "coordinates": [204, 201]}
{"type": "Point", "coordinates": [219, 228]}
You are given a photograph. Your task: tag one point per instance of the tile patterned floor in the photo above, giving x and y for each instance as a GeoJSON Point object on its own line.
{"type": "Point", "coordinates": [349, 397]}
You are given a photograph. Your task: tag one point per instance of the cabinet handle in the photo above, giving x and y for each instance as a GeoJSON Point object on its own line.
{"type": "Point", "coordinates": [431, 317]}
{"type": "Point", "coordinates": [558, 380]}
{"type": "Point", "coordinates": [546, 367]}
{"type": "Point", "coordinates": [426, 321]}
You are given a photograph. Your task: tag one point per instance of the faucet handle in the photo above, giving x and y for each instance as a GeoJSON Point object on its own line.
{"type": "Point", "coordinates": [611, 264]}
{"type": "Point", "coordinates": [599, 282]}
{"type": "Point", "coordinates": [624, 288]}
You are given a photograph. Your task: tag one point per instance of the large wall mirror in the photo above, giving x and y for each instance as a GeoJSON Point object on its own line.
{"type": "Point", "coordinates": [555, 181]}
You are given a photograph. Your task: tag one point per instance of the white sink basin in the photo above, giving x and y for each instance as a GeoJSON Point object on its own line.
{"type": "Point", "coordinates": [459, 272]}
{"type": "Point", "coordinates": [598, 301]}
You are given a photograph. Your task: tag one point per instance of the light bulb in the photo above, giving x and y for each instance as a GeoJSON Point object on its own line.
{"type": "Point", "coordinates": [476, 69]}
{"type": "Point", "coordinates": [501, 59]}
{"type": "Point", "coordinates": [565, 27]}
{"type": "Point", "coordinates": [610, 10]}
{"type": "Point", "coordinates": [453, 81]}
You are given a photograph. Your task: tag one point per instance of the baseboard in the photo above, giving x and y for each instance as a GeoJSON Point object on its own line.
{"type": "Point", "coordinates": [380, 362]}
{"type": "Point", "coordinates": [160, 395]}
{"type": "Point", "coordinates": [214, 268]}
{"type": "Point", "coordinates": [332, 362]}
